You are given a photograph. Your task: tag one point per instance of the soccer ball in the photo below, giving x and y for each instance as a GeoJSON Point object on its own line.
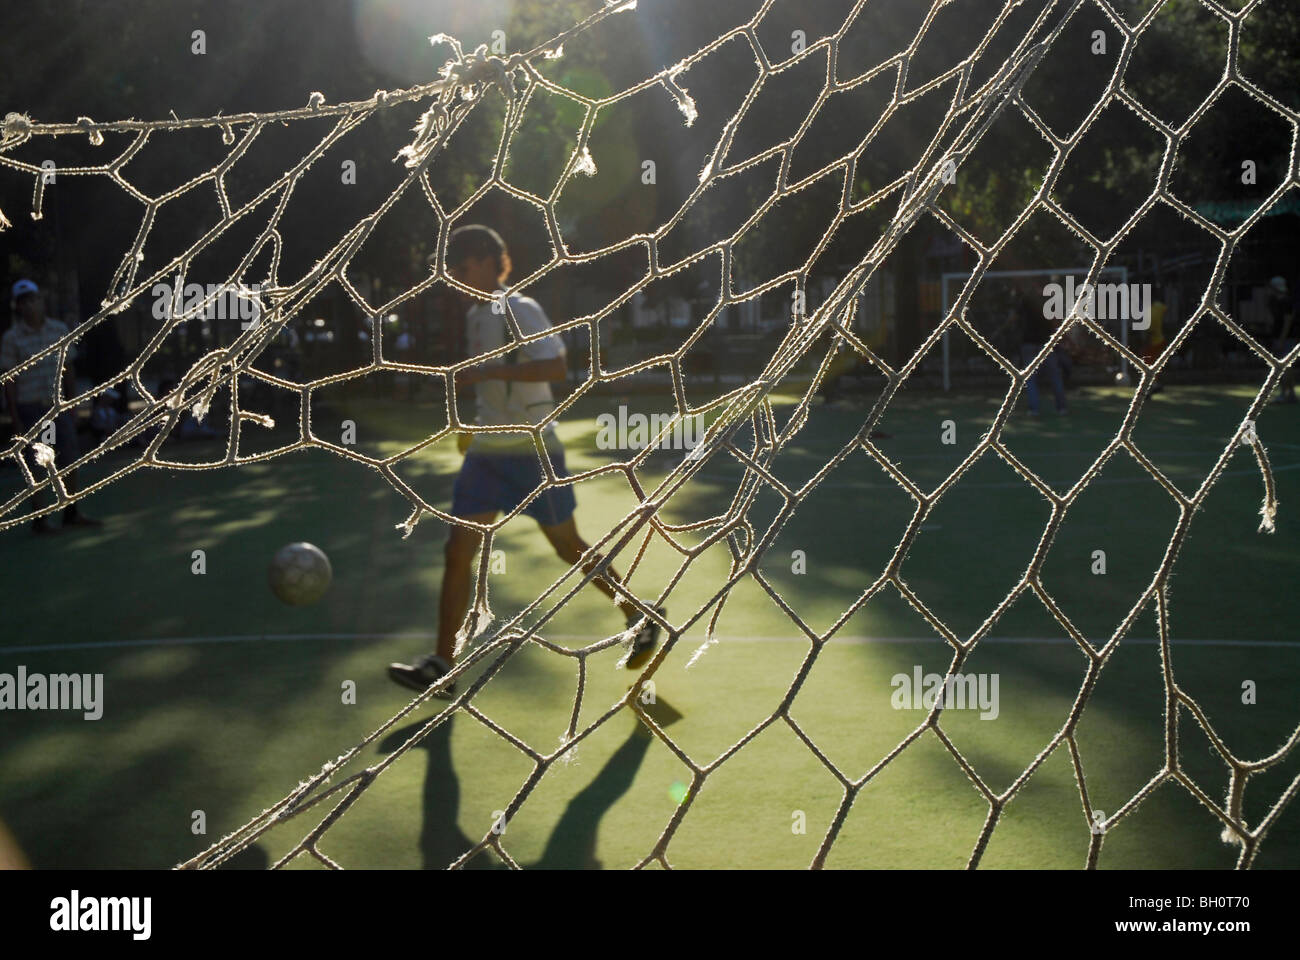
{"type": "Point", "coordinates": [300, 574]}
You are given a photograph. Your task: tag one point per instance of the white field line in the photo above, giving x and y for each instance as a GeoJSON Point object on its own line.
{"type": "Point", "coordinates": [968, 485]}
{"type": "Point", "coordinates": [567, 637]}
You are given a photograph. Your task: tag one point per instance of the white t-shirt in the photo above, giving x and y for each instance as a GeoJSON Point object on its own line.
{"type": "Point", "coordinates": [511, 401]}
{"type": "Point", "coordinates": [36, 384]}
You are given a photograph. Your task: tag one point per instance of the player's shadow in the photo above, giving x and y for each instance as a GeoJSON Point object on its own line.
{"type": "Point", "coordinates": [572, 844]}
{"type": "Point", "coordinates": [441, 840]}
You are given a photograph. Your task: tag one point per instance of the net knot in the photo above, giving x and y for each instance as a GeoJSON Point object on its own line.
{"type": "Point", "coordinates": [482, 68]}
{"type": "Point", "coordinates": [44, 454]}
{"type": "Point", "coordinates": [685, 102]}
{"type": "Point", "coordinates": [569, 756]}
{"type": "Point", "coordinates": [627, 640]}
{"type": "Point", "coordinates": [88, 125]}
{"type": "Point", "coordinates": [709, 641]}
{"type": "Point", "coordinates": [17, 128]}
{"type": "Point", "coordinates": [1268, 517]}
{"type": "Point", "coordinates": [466, 75]}
{"type": "Point", "coordinates": [316, 100]}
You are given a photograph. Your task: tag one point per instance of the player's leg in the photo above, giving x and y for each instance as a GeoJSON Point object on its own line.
{"type": "Point", "coordinates": [569, 547]}
{"type": "Point", "coordinates": [843, 361]}
{"type": "Point", "coordinates": [457, 582]}
{"type": "Point", "coordinates": [453, 604]}
{"type": "Point", "coordinates": [477, 497]}
{"type": "Point", "coordinates": [30, 414]}
{"type": "Point", "coordinates": [1286, 388]}
{"type": "Point", "coordinates": [830, 388]}
{"type": "Point", "coordinates": [553, 509]}
{"type": "Point", "coordinates": [1027, 353]}
{"type": "Point", "coordinates": [68, 449]}
{"type": "Point", "coordinates": [1052, 368]}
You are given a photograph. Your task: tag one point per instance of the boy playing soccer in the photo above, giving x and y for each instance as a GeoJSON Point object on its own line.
{"type": "Point", "coordinates": [501, 469]}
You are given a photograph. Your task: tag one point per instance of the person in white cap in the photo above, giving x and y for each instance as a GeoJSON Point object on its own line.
{"type": "Point", "coordinates": [1281, 307]}
{"type": "Point", "coordinates": [31, 395]}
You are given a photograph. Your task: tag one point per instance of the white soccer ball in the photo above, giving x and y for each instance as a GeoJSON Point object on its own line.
{"type": "Point", "coordinates": [300, 574]}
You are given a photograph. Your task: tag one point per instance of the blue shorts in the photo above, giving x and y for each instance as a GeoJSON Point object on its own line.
{"type": "Point", "coordinates": [489, 482]}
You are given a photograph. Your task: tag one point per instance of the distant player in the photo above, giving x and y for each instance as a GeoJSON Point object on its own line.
{"type": "Point", "coordinates": [1154, 345]}
{"type": "Point", "coordinates": [1155, 339]}
{"type": "Point", "coordinates": [31, 395]}
{"type": "Point", "coordinates": [500, 470]}
{"type": "Point", "coordinates": [1036, 329]}
{"type": "Point", "coordinates": [1281, 308]}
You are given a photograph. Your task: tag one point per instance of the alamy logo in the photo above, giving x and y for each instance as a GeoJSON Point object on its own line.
{"type": "Point", "coordinates": [55, 691]}
{"type": "Point", "coordinates": [637, 431]}
{"type": "Point", "coordinates": [78, 913]}
{"type": "Point", "coordinates": [215, 301]}
{"type": "Point", "coordinates": [1102, 301]}
{"type": "Point", "coordinates": [972, 691]}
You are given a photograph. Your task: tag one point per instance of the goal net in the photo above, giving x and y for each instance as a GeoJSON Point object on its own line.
{"type": "Point", "coordinates": [879, 147]}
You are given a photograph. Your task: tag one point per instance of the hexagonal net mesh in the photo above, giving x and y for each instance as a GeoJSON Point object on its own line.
{"type": "Point", "coordinates": [744, 428]}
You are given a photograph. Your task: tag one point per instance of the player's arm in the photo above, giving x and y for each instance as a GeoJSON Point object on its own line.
{"type": "Point", "coordinates": [11, 399]}
{"type": "Point", "coordinates": [9, 360]}
{"type": "Point", "coordinates": [1286, 327]}
{"type": "Point", "coordinates": [69, 380]}
{"type": "Point", "coordinates": [536, 371]}
{"type": "Point", "coordinates": [530, 371]}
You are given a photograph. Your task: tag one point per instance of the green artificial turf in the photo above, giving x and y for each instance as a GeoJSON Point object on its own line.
{"type": "Point", "coordinates": [219, 699]}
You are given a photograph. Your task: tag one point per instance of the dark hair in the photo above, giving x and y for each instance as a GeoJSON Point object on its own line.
{"type": "Point", "coordinates": [475, 242]}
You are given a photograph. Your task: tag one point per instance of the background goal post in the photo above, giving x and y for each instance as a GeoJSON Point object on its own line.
{"type": "Point", "coordinates": [1118, 274]}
